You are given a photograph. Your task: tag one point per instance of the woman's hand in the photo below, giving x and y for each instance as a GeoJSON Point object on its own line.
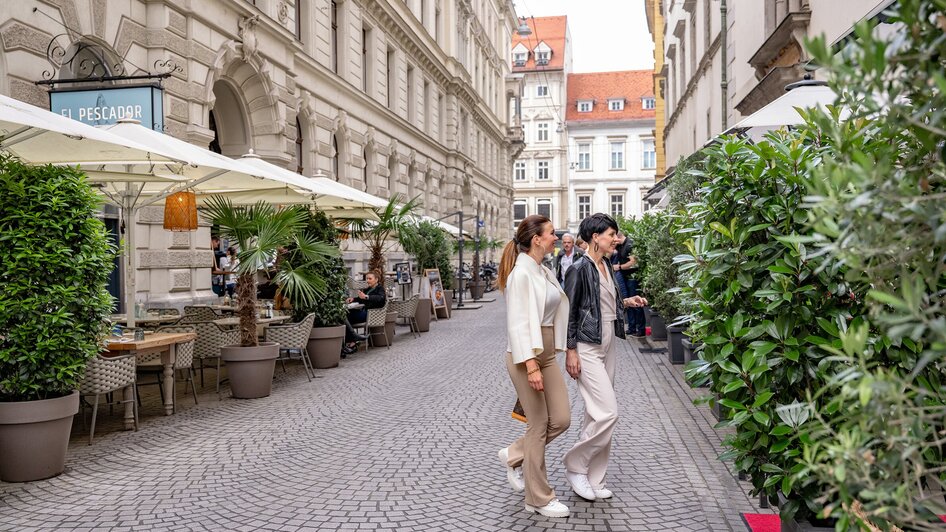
{"type": "Point", "coordinates": [635, 301]}
{"type": "Point", "coordinates": [362, 295]}
{"type": "Point", "coordinates": [535, 375]}
{"type": "Point", "coordinates": [349, 299]}
{"type": "Point", "coordinates": [572, 363]}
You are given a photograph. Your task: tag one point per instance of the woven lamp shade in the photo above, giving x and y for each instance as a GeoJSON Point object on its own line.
{"type": "Point", "coordinates": [180, 211]}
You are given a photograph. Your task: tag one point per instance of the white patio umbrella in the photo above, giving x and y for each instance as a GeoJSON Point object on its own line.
{"type": "Point", "coordinates": [783, 111]}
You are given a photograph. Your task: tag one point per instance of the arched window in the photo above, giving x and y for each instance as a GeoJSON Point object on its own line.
{"type": "Point", "coordinates": [392, 173]}
{"type": "Point", "coordinates": [335, 154]}
{"type": "Point", "coordinates": [300, 166]}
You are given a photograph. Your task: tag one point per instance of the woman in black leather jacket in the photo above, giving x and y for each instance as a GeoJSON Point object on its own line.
{"type": "Point", "coordinates": [595, 321]}
{"type": "Point", "coordinates": [372, 297]}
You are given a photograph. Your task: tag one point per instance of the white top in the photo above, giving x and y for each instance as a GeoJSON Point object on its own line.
{"type": "Point", "coordinates": [553, 298]}
{"type": "Point", "coordinates": [227, 265]}
{"type": "Point", "coordinates": [607, 301]}
{"type": "Point", "coordinates": [526, 290]}
{"type": "Point", "coordinates": [567, 261]}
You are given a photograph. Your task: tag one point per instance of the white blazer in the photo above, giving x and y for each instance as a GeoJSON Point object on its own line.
{"type": "Point", "coordinates": [525, 306]}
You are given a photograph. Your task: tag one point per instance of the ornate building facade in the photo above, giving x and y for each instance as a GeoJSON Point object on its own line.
{"type": "Point", "coordinates": [389, 96]}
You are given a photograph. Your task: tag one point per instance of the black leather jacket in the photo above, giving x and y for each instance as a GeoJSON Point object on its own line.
{"type": "Point", "coordinates": [584, 314]}
{"type": "Point", "coordinates": [376, 297]}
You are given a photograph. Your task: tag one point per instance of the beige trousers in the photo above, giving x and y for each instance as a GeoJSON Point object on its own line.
{"type": "Point", "coordinates": [590, 453]}
{"type": "Point", "coordinates": [548, 415]}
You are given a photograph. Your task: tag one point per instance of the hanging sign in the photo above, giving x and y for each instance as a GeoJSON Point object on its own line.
{"type": "Point", "coordinates": [108, 105]}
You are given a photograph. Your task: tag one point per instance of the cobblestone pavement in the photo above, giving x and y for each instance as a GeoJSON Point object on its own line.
{"type": "Point", "coordinates": [393, 439]}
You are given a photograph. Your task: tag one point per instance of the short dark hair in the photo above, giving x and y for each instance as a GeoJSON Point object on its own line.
{"type": "Point", "coordinates": [596, 223]}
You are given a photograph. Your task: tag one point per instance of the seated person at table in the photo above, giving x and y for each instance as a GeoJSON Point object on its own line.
{"type": "Point", "coordinates": [372, 297]}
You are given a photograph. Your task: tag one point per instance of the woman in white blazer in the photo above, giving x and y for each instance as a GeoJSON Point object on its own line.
{"type": "Point", "coordinates": [536, 323]}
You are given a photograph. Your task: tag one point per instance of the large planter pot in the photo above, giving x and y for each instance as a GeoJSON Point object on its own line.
{"type": "Point", "coordinates": [658, 327]}
{"type": "Point", "coordinates": [34, 436]}
{"type": "Point", "coordinates": [378, 334]}
{"type": "Point", "coordinates": [423, 315]}
{"type": "Point", "coordinates": [688, 352]}
{"type": "Point", "coordinates": [477, 289]}
{"type": "Point", "coordinates": [444, 313]}
{"type": "Point", "coordinates": [325, 346]}
{"type": "Point", "coordinates": [250, 369]}
{"type": "Point", "coordinates": [675, 345]}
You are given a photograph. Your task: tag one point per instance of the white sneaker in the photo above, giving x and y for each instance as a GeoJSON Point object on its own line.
{"type": "Point", "coordinates": [513, 474]}
{"type": "Point", "coordinates": [603, 493]}
{"type": "Point", "coordinates": [552, 509]}
{"type": "Point", "coordinates": [580, 485]}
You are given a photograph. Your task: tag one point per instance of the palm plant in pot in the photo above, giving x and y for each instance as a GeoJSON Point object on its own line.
{"type": "Point", "coordinates": [428, 244]}
{"type": "Point", "coordinates": [261, 231]}
{"type": "Point", "coordinates": [379, 235]}
{"type": "Point", "coordinates": [328, 331]}
{"type": "Point", "coordinates": [55, 259]}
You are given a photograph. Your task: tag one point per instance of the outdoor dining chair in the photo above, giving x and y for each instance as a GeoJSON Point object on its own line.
{"type": "Point", "coordinates": [292, 338]}
{"type": "Point", "coordinates": [408, 311]}
{"type": "Point", "coordinates": [194, 314]}
{"type": "Point", "coordinates": [376, 318]}
{"type": "Point", "coordinates": [104, 375]}
{"type": "Point", "coordinates": [183, 361]}
{"type": "Point", "coordinates": [210, 338]}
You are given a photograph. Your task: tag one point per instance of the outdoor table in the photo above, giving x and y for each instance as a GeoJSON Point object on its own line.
{"type": "Point", "coordinates": [150, 319]}
{"type": "Point", "coordinates": [354, 306]}
{"type": "Point", "coordinates": [261, 323]}
{"type": "Point", "coordinates": [161, 344]}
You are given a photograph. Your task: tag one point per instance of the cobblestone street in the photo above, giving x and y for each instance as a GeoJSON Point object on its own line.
{"type": "Point", "coordinates": [393, 439]}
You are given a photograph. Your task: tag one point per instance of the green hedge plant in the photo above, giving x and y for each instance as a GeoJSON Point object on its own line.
{"type": "Point", "coordinates": [55, 259]}
{"type": "Point", "coordinates": [329, 307]}
{"type": "Point", "coordinates": [429, 245]}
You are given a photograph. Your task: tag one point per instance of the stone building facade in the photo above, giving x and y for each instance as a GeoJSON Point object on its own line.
{"type": "Point", "coordinates": [388, 96]}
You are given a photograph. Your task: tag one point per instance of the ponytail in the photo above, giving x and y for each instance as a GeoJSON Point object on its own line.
{"type": "Point", "coordinates": [510, 252]}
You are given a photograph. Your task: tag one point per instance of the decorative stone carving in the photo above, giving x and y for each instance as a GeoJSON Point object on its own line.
{"type": "Point", "coordinates": [181, 239]}
{"type": "Point", "coordinates": [283, 12]}
{"type": "Point", "coordinates": [180, 279]}
{"type": "Point", "coordinates": [247, 32]}
{"type": "Point", "coordinates": [150, 259]}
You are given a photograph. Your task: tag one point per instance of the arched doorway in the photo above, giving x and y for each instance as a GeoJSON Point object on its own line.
{"type": "Point", "coordinates": [228, 122]}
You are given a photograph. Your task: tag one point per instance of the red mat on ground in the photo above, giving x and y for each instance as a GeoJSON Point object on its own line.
{"type": "Point", "coordinates": [771, 523]}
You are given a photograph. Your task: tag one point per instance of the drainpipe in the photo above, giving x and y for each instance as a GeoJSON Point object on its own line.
{"type": "Point", "coordinates": [724, 82]}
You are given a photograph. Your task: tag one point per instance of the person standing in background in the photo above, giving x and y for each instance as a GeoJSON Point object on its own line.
{"type": "Point", "coordinates": [623, 264]}
{"type": "Point", "coordinates": [216, 274]}
{"type": "Point", "coordinates": [566, 257]}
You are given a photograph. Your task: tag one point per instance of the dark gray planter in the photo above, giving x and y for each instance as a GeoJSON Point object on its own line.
{"type": "Point", "coordinates": [325, 346]}
{"type": "Point", "coordinates": [250, 369]}
{"type": "Point", "coordinates": [675, 345]}
{"type": "Point", "coordinates": [658, 327]}
{"type": "Point", "coordinates": [477, 289]}
{"type": "Point", "coordinates": [423, 315]}
{"type": "Point", "coordinates": [34, 437]}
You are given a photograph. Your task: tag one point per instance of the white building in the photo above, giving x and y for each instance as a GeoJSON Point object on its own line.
{"type": "Point", "coordinates": [611, 149]}
{"type": "Point", "coordinates": [389, 96]}
{"type": "Point", "coordinates": [540, 174]}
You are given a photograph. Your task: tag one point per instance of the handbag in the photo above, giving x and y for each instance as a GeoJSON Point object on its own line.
{"type": "Point", "coordinates": [518, 413]}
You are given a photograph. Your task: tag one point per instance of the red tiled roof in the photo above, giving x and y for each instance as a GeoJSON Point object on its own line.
{"type": "Point", "coordinates": [632, 85]}
{"type": "Point", "coordinates": [550, 30]}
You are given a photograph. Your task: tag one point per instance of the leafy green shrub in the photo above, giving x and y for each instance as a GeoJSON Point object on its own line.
{"type": "Point", "coordinates": [55, 259]}
{"type": "Point", "coordinates": [329, 307]}
{"type": "Point", "coordinates": [428, 244]}
{"type": "Point", "coordinates": [661, 276]}
{"type": "Point", "coordinates": [765, 305]}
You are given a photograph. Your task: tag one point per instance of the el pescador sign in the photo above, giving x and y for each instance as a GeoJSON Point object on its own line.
{"type": "Point", "coordinates": [108, 105]}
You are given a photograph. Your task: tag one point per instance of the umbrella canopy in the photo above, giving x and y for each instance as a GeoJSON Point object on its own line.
{"type": "Point", "coordinates": [38, 136]}
{"type": "Point", "coordinates": [784, 110]}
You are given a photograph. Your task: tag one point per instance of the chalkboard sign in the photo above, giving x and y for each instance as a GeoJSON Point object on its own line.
{"type": "Point", "coordinates": [435, 287]}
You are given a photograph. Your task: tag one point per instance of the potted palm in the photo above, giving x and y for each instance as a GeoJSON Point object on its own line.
{"type": "Point", "coordinates": [428, 244]}
{"type": "Point", "coordinates": [378, 234]}
{"type": "Point", "coordinates": [261, 231]}
{"type": "Point", "coordinates": [328, 331]}
{"type": "Point", "coordinates": [55, 260]}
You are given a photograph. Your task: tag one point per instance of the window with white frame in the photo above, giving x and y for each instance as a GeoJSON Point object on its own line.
{"type": "Point", "coordinates": [542, 90]}
{"type": "Point", "coordinates": [617, 204]}
{"type": "Point", "coordinates": [542, 132]}
{"type": "Point", "coordinates": [617, 155]}
{"type": "Point", "coordinates": [543, 207]}
{"type": "Point", "coordinates": [648, 154]}
{"type": "Point", "coordinates": [542, 58]}
{"type": "Point", "coordinates": [585, 106]}
{"type": "Point", "coordinates": [520, 171]}
{"type": "Point", "coordinates": [519, 59]}
{"type": "Point", "coordinates": [616, 104]}
{"type": "Point", "coordinates": [584, 206]}
{"type": "Point", "coordinates": [519, 211]}
{"type": "Point", "coordinates": [648, 103]}
{"type": "Point", "coordinates": [543, 171]}
{"type": "Point", "coordinates": [584, 156]}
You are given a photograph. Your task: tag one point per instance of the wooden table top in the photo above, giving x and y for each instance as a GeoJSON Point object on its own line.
{"type": "Point", "coordinates": [151, 340]}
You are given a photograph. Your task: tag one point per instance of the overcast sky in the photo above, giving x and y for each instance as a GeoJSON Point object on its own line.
{"type": "Point", "coordinates": [607, 35]}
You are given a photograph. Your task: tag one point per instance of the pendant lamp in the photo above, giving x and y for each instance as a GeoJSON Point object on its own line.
{"type": "Point", "coordinates": [180, 211]}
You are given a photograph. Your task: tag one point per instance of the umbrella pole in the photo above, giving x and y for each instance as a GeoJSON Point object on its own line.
{"type": "Point", "coordinates": [129, 213]}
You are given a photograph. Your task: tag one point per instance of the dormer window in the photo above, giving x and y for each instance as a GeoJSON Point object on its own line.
{"type": "Point", "coordinates": [648, 103]}
{"type": "Point", "coordinates": [519, 59]}
{"type": "Point", "coordinates": [542, 58]}
{"type": "Point", "coordinates": [585, 106]}
{"type": "Point", "coordinates": [616, 104]}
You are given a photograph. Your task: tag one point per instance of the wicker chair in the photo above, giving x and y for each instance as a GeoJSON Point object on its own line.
{"type": "Point", "coordinates": [168, 312]}
{"type": "Point", "coordinates": [356, 285]}
{"type": "Point", "coordinates": [183, 361]}
{"type": "Point", "coordinates": [292, 338]}
{"type": "Point", "coordinates": [210, 338]}
{"type": "Point", "coordinates": [375, 319]}
{"type": "Point", "coordinates": [104, 375]}
{"type": "Point", "coordinates": [198, 314]}
{"type": "Point", "coordinates": [408, 311]}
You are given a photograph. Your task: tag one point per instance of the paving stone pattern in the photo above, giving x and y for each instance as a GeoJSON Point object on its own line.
{"type": "Point", "coordinates": [399, 439]}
